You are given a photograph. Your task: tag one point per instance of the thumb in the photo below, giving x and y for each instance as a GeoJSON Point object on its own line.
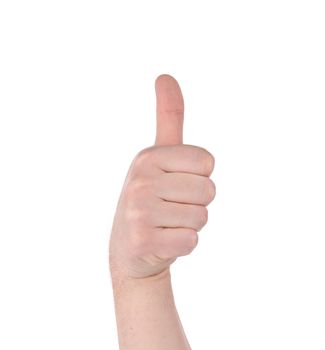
{"type": "Point", "coordinates": [170, 111]}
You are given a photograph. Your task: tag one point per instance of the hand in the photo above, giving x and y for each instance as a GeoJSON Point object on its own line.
{"type": "Point", "coordinates": [163, 202]}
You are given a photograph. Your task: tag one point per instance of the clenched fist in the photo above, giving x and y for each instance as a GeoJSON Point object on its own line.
{"type": "Point", "coordinates": [163, 202]}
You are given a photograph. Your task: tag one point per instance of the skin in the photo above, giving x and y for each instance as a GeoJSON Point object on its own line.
{"type": "Point", "coordinates": [161, 209]}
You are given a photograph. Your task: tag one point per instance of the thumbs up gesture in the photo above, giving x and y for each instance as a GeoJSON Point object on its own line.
{"type": "Point", "coordinates": [163, 201]}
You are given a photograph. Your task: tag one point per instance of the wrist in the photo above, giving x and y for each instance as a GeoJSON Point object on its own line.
{"type": "Point", "coordinates": [119, 271]}
{"type": "Point", "coordinates": [120, 277]}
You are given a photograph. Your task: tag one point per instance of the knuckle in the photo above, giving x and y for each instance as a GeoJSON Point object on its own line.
{"type": "Point", "coordinates": [143, 156]}
{"type": "Point", "coordinates": [179, 112]}
{"type": "Point", "coordinates": [208, 162]}
{"type": "Point", "coordinates": [202, 216]}
{"type": "Point", "coordinates": [209, 190]}
{"type": "Point", "coordinates": [137, 186]}
{"type": "Point", "coordinates": [193, 240]}
{"type": "Point", "coordinates": [206, 159]}
{"type": "Point", "coordinates": [135, 215]}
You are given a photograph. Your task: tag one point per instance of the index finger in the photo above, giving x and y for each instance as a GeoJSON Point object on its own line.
{"type": "Point", "coordinates": [181, 158]}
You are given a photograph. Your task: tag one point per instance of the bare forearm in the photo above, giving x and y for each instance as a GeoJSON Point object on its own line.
{"type": "Point", "coordinates": [146, 314]}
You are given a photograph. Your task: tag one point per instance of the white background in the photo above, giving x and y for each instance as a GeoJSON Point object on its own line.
{"type": "Point", "coordinates": [77, 103]}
